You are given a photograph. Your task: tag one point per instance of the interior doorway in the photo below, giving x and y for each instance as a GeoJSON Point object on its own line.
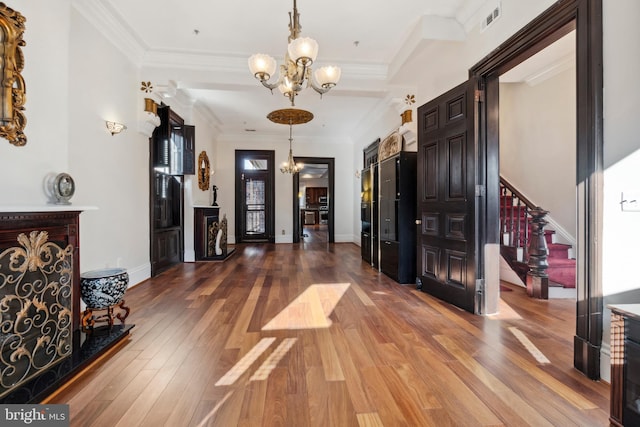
{"type": "Point", "coordinates": [313, 200]}
{"type": "Point", "coordinates": [537, 135]}
{"type": "Point", "coordinates": [585, 17]}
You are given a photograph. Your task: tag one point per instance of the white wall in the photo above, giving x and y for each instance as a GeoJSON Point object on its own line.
{"type": "Point", "coordinates": [23, 169]}
{"type": "Point", "coordinates": [621, 230]}
{"type": "Point", "coordinates": [111, 172]}
{"type": "Point", "coordinates": [538, 135]}
{"type": "Point", "coordinates": [75, 80]}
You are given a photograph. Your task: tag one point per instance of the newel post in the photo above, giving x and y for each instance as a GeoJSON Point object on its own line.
{"type": "Point", "coordinates": [537, 278]}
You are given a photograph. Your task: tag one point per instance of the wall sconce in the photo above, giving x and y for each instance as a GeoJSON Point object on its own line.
{"type": "Point", "coordinates": [148, 120]}
{"type": "Point", "coordinates": [150, 106]}
{"type": "Point", "coordinates": [114, 127]}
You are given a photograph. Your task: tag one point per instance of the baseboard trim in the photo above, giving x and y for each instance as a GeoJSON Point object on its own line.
{"type": "Point", "coordinates": [605, 362]}
{"type": "Point", "coordinates": [139, 274]}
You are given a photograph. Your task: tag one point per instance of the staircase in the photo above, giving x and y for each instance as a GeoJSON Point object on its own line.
{"type": "Point", "coordinates": [562, 269]}
{"type": "Point", "coordinates": [516, 236]}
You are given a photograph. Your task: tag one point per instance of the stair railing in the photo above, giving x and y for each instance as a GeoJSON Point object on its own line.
{"type": "Point", "coordinates": [515, 215]}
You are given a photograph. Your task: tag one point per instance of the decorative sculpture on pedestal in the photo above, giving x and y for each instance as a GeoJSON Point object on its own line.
{"type": "Point", "coordinates": [214, 189]}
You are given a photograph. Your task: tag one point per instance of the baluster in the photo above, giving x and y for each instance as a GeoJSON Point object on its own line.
{"type": "Point", "coordinates": [503, 217]}
{"type": "Point", "coordinates": [527, 219]}
{"type": "Point", "coordinates": [512, 225]}
{"type": "Point", "coordinates": [537, 278]}
{"type": "Point", "coordinates": [518, 224]}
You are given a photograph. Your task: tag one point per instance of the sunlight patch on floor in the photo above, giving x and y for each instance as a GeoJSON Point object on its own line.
{"type": "Point", "coordinates": [371, 419]}
{"type": "Point", "coordinates": [505, 312]}
{"type": "Point", "coordinates": [214, 410]}
{"type": "Point", "coordinates": [272, 361]}
{"type": "Point", "coordinates": [531, 348]}
{"type": "Point", "coordinates": [310, 310]}
{"type": "Point", "coordinates": [245, 363]}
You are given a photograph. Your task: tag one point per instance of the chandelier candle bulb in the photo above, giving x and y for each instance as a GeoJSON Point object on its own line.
{"type": "Point", "coordinates": [262, 66]}
{"type": "Point", "coordinates": [328, 76]}
{"type": "Point", "coordinates": [303, 50]}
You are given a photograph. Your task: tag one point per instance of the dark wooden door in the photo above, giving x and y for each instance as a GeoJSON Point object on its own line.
{"type": "Point", "coordinates": [255, 196]}
{"type": "Point", "coordinates": [446, 237]}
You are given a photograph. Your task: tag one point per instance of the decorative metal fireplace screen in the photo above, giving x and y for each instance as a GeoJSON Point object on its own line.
{"type": "Point", "coordinates": [216, 236]}
{"type": "Point", "coordinates": [35, 303]}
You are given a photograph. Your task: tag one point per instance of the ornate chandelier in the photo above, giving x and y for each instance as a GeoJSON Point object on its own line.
{"type": "Point", "coordinates": [296, 70]}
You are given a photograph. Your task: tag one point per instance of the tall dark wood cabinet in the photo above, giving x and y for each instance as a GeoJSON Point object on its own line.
{"type": "Point", "coordinates": [369, 204]}
{"type": "Point", "coordinates": [189, 151]}
{"type": "Point", "coordinates": [397, 204]}
{"type": "Point", "coordinates": [366, 190]}
{"type": "Point", "coordinates": [172, 156]}
{"type": "Point", "coordinates": [375, 217]}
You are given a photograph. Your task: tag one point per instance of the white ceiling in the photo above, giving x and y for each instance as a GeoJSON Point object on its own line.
{"type": "Point", "coordinates": [197, 50]}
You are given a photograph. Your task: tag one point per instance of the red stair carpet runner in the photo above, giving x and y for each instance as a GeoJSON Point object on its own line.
{"type": "Point", "coordinates": [562, 269]}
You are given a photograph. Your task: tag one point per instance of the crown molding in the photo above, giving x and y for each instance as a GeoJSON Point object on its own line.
{"type": "Point", "coordinates": [428, 27]}
{"type": "Point", "coordinates": [105, 21]}
{"type": "Point", "coordinates": [234, 64]}
{"type": "Point", "coordinates": [566, 63]}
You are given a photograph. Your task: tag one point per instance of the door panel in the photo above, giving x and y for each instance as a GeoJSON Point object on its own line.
{"type": "Point", "coordinates": [446, 197]}
{"type": "Point", "coordinates": [255, 200]}
{"type": "Point", "coordinates": [254, 206]}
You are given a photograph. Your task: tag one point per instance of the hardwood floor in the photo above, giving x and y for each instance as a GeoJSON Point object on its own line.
{"type": "Point", "coordinates": [317, 233]}
{"type": "Point", "coordinates": [281, 336]}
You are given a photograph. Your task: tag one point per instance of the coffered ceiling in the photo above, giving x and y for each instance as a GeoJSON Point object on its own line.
{"type": "Point", "coordinates": [197, 51]}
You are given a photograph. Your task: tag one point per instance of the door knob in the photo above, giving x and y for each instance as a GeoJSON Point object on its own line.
{"type": "Point", "coordinates": [418, 221]}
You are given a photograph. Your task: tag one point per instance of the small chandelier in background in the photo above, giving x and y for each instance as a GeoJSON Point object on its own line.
{"type": "Point", "coordinates": [290, 166]}
{"type": "Point", "coordinates": [290, 116]}
{"type": "Point", "coordinates": [301, 53]}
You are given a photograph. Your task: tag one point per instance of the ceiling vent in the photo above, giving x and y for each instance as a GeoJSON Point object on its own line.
{"type": "Point", "coordinates": [491, 17]}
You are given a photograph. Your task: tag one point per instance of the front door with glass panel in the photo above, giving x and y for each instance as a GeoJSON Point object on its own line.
{"type": "Point", "coordinates": [255, 196]}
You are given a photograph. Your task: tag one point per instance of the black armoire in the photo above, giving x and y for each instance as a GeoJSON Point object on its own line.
{"type": "Point", "coordinates": [397, 206]}
{"type": "Point", "coordinates": [369, 205]}
{"type": "Point", "coordinates": [172, 155]}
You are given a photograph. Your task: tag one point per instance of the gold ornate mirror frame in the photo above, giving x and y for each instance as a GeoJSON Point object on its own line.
{"type": "Point", "coordinates": [203, 171]}
{"type": "Point", "coordinates": [12, 87]}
